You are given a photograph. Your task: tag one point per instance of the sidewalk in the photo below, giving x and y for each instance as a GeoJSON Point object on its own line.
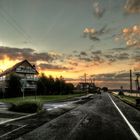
{"type": "Point", "coordinates": [4, 106]}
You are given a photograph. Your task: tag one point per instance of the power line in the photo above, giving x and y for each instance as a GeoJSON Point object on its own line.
{"type": "Point", "coordinates": [12, 22]}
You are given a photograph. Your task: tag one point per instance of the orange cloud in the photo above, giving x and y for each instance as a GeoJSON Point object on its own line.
{"type": "Point", "coordinates": [131, 35]}
{"type": "Point", "coordinates": [132, 6]}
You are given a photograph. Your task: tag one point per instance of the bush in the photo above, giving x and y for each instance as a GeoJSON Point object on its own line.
{"type": "Point", "coordinates": [13, 86]}
{"type": "Point", "coordinates": [121, 93]}
{"type": "Point", "coordinates": [25, 107]}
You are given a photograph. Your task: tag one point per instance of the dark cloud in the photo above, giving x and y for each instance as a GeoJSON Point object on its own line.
{"type": "Point", "coordinates": [94, 38]}
{"type": "Point", "coordinates": [125, 76]}
{"type": "Point", "coordinates": [136, 58]}
{"type": "Point", "coordinates": [26, 53]}
{"type": "Point", "coordinates": [94, 34]}
{"type": "Point", "coordinates": [74, 51]}
{"type": "Point", "coordinates": [114, 79]}
{"type": "Point", "coordinates": [86, 59]}
{"type": "Point", "coordinates": [83, 53]}
{"type": "Point", "coordinates": [44, 66]}
{"type": "Point", "coordinates": [73, 63]}
{"type": "Point", "coordinates": [120, 49]}
{"type": "Point", "coordinates": [97, 59]}
{"type": "Point", "coordinates": [98, 9]}
{"type": "Point", "coordinates": [117, 56]}
{"type": "Point", "coordinates": [132, 6]}
{"type": "Point", "coordinates": [120, 76]}
{"type": "Point", "coordinates": [123, 56]}
{"type": "Point", "coordinates": [109, 56]}
{"type": "Point", "coordinates": [99, 52]}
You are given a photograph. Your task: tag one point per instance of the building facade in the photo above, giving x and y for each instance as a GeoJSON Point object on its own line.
{"type": "Point", "coordinates": [27, 73]}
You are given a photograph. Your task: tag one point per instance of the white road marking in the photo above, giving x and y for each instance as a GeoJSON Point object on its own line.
{"type": "Point", "coordinates": [15, 119]}
{"type": "Point", "coordinates": [12, 131]}
{"type": "Point", "coordinates": [127, 122]}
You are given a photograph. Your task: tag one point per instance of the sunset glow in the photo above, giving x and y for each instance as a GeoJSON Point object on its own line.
{"type": "Point", "coordinates": [98, 38]}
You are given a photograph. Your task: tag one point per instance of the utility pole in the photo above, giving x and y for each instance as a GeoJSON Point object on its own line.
{"type": "Point", "coordinates": [137, 82]}
{"type": "Point", "coordinates": [131, 81]}
{"type": "Point", "coordinates": [85, 76]}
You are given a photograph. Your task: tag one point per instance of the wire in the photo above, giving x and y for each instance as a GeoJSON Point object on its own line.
{"type": "Point", "coordinates": [12, 22]}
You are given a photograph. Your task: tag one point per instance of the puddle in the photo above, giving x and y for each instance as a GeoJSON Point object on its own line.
{"type": "Point", "coordinates": [52, 106]}
{"type": "Point", "coordinates": [68, 104]}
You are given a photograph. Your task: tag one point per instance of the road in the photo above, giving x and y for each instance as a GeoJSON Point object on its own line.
{"type": "Point", "coordinates": [13, 125]}
{"type": "Point", "coordinates": [98, 119]}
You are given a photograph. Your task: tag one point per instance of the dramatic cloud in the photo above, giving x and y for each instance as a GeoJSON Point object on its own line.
{"type": "Point", "coordinates": [73, 63]}
{"type": "Point", "coordinates": [137, 67]}
{"type": "Point", "coordinates": [136, 58]}
{"type": "Point", "coordinates": [97, 59]}
{"type": "Point", "coordinates": [109, 56]}
{"type": "Point", "coordinates": [122, 56]}
{"type": "Point", "coordinates": [26, 53]}
{"type": "Point", "coordinates": [120, 76]}
{"type": "Point", "coordinates": [120, 49]}
{"type": "Point", "coordinates": [99, 52]}
{"type": "Point", "coordinates": [116, 57]}
{"type": "Point", "coordinates": [98, 10]}
{"type": "Point", "coordinates": [94, 34]}
{"type": "Point", "coordinates": [44, 66]}
{"type": "Point", "coordinates": [131, 36]}
{"type": "Point", "coordinates": [91, 33]}
{"type": "Point", "coordinates": [86, 59]}
{"type": "Point", "coordinates": [132, 6]}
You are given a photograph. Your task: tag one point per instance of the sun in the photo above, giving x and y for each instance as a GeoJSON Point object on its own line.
{"type": "Point", "coordinates": [6, 63]}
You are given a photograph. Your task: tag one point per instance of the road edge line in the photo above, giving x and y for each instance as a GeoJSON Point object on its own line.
{"type": "Point", "coordinates": [127, 122]}
{"type": "Point", "coordinates": [15, 119]}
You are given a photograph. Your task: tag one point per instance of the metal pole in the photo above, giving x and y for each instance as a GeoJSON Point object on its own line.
{"type": "Point", "coordinates": [35, 92]}
{"type": "Point", "coordinates": [85, 77]}
{"type": "Point", "coordinates": [131, 81]}
{"type": "Point", "coordinates": [23, 93]}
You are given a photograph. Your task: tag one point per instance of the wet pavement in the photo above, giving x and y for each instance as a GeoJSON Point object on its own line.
{"type": "Point", "coordinates": [97, 119]}
{"type": "Point", "coordinates": [16, 128]}
{"type": "Point", "coordinates": [67, 104]}
{"type": "Point", "coordinates": [84, 118]}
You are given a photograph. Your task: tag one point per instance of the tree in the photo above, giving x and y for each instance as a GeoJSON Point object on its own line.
{"type": "Point", "coordinates": [105, 89]}
{"type": "Point", "coordinates": [13, 86]}
{"type": "Point", "coordinates": [41, 85]}
{"type": "Point", "coordinates": [69, 87]}
{"type": "Point", "coordinates": [49, 85]}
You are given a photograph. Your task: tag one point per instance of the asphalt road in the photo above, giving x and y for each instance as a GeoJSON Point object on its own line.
{"type": "Point", "coordinates": [97, 119]}
{"type": "Point", "coordinates": [13, 125]}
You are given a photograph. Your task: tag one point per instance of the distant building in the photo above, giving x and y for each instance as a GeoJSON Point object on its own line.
{"type": "Point", "coordinates": [25, 70]}
{"type": "Point", "coordinates": [90, 87]}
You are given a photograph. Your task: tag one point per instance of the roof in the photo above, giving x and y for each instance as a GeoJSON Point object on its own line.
{"type": "Point", "coordinates": [13, 68]}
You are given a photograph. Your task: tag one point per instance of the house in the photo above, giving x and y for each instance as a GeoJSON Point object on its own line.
{"type": "Point", "coordinates": [89, 87]}
{"type": "Point", "coordinates": [25, 70]}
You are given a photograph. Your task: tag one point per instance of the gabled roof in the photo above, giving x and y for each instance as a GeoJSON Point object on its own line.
{"type": "Point", "coordinates": [13, 68]}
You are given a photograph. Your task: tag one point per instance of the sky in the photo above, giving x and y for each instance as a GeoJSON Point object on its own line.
{"type": "Point", "coordinates": [71, 37]}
